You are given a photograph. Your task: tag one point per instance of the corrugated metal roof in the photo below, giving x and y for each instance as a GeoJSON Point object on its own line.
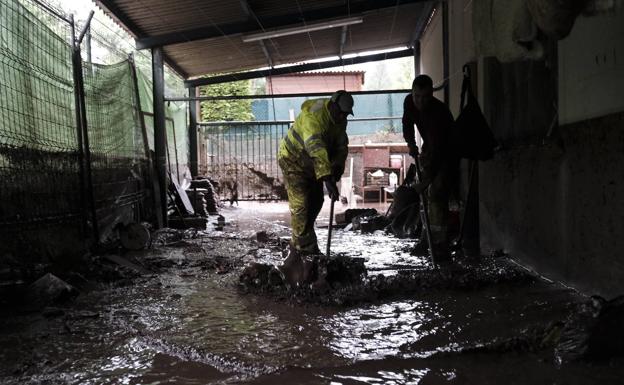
{"type": "Point", "coordinates": [179, 20]}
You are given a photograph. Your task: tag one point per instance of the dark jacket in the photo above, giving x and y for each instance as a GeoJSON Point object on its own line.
{"type": "Point", "coordinates": [434, 125]}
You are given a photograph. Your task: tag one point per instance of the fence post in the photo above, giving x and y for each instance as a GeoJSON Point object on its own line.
{"type": "Point", "coordinates": [80, 147]}
{"type": "Point", "coordinates": [81, 117]}
{"type": "Point", "coordinates": [160, 133]}
{"type": "Point", "coordinates": [148, 156]}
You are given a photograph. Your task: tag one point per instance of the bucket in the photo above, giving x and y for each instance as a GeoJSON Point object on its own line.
{"type": "Point", "coordinates": [393, 179]}
{"type": "Point", "coordinates": [396, 161]}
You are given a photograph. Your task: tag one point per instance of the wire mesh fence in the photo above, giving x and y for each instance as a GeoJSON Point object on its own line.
{"type": "Point", "coordinates": [117, 145]}
{"type": "Point", "coordinates": [44, 156]}
{"type": "Point", "coordinates": [39, 159]}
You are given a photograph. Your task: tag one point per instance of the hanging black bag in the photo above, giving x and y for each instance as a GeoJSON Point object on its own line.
{"type": "Point", "coordinates": [473, 136]}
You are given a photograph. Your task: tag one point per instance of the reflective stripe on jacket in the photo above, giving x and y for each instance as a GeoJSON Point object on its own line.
{"type": "Point", "coordinates": [314, 144]}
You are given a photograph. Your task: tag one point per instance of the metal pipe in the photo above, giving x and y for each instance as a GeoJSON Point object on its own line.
{"type": "Point", "coordinates": [80, 144]}
{"type": "Point", "coordinates": [192, 133]}
{"type": "Point", "coordinates": [286, 122]}
{"type": "Point", "coordinates": [85, 27]}
{"type": "Point", "coordinates": [445, 50]}
{"type": "Point", "coordinates": [81, 117]}
{"type": "Point", "coordinates": [270, 96]}
{"type": "Point", "coordinates": [160, 133]}
{"type": "Point", "coordinates": [87, 147]}
{"type": "Point", "coordinates": [88, 46]}
{"type": "Point", "coordinates": [417, 57]}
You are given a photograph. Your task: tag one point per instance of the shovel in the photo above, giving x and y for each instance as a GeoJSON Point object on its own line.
{"type": "Point", "coordinates": [425, 212]}
{"type": "Point", "coordinates": [329, 231]}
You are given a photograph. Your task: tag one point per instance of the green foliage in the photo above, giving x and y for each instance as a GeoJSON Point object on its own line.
{"type": "Point", "coordinates": [226, 110]}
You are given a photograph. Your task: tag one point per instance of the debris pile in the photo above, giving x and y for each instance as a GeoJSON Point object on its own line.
{"type": "Point", "coordinates": [204, 196]}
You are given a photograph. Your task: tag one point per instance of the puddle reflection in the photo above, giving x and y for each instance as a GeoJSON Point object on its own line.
{"type": "Point", "coordinates": [379, 331]}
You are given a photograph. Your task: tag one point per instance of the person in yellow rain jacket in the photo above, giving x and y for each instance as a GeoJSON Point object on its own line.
{"type": "Point", "coordinates": [311, 154]}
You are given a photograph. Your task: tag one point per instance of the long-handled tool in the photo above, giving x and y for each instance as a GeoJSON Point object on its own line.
{"type": "Point", "coordinates": [457, 243]}
{"type": "Point", "coordinates": [425, 213]}
{"type": "Point", "coordinates": [331, 222]}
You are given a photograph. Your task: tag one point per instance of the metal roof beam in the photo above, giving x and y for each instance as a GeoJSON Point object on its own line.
{"type": "Point", "coordinates": [214, 31]}
{"type": "Point", "coordinates": [422, 21]}
{"type": "Point", "coordinates": [296, 68]}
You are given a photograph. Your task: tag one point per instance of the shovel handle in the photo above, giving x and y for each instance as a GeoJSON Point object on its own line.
{"type": "Point", "coordinates": [425, 213]}
{"type": "Point", "coordinates": [329, 230]}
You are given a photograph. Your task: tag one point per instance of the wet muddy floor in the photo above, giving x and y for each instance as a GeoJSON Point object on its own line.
{"type": "Point", "coordinates": [484, 321]}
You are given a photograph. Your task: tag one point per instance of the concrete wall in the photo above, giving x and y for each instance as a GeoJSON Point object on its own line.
{"type": "Point", "coordinates": [551, 197]}
{"type": "Point", "coordinates": [591, 67]}
{"type": "Point", "coordinates": [559, 208]}
{"type": "Point", "coordinates": [461, 49]}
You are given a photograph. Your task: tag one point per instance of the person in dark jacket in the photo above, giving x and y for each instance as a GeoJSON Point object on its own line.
{"type": "Point", "coordinates": [434, 121]}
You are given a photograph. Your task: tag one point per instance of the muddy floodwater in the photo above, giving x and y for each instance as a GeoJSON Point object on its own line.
{"type": "Point", "coordinates": [188, 322]}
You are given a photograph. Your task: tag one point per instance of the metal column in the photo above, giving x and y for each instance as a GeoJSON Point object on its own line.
{"type": "Point", "coordinates": [160, 134]}
{"type": "Point", "coordinates": [192, 132]}
{"type": "Point", "coordinates": [416, 57]}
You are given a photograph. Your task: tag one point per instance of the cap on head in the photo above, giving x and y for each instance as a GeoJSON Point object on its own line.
{"type": "Point", "coordinates": [343, 100]}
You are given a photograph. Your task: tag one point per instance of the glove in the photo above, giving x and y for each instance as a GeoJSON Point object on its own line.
{"type": "Point", "coordinates": [337, 171]}
{"type": "Point", "coordinates": [413, 151]}
{"type": "Point", "coordinates": [332, 189]}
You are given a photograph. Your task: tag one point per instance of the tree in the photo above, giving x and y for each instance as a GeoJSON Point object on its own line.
{"type": "Point", "coordinates": [226, 110]}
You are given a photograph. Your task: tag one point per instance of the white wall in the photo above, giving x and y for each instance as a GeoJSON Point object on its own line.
{"type": "Point", "coordinates": [591, 67]}
{"type": "Point", "coordinates": [431, 53]}
{"type": "Point", "coordinates": [461, 48]}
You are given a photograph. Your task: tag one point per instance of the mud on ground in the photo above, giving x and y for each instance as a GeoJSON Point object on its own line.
{"type": "Point", "coordinates": [180, 313]}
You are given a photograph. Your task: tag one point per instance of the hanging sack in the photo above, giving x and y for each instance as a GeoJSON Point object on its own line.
{"type": "Point", "coordinates": [473, 136]}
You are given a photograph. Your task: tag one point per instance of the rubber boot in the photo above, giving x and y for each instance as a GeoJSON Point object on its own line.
{"type": "Point", "coordinates": [292, 268]}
